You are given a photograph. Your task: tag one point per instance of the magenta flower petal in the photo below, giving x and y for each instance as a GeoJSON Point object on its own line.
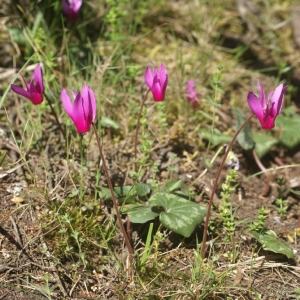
{"type": "Point", "coordinates": [71, 8]}
{"type": "Point", "coordinates": [277, 99]}
{"type": "Point", "coordinates": [255, 105]}
{"type": "Point", "coordinates": [157, 89]}
{"type": "Point", "coordinates": [163, 75]}
{"type": "Point", "coordinates": [37, 76]}
{"type": "Point", "coordinates": [35, 88]}
{"type": "Point", "coordinates": [36, 98]}
{"type": "Point", "coordinates": [149, 77]}
{"type": "Point", "coordinates": [262, 96]}
{"type": "Point", "coordinates": [268, 109]}
{"type": "Point", "coordinates": [157, 81]}
{"type": "Point", "coordinates": [83, 110]}
{"type": "Point", "coordinates": [67, 103]}
{"type": "Point", "coordinates": [20, 91]}
{"type": "Point", "coordinates": [89, 105]}
{"type": "Point", "coordinates": [192, 94]}
{"type": "Point", "coordinates": [79, 115]}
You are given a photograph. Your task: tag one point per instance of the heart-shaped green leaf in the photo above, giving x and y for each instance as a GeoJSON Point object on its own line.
{"type": "Point", "coordinates": [139, 213]}
{"type": "Point", "coordinates": [179, 215]}
{"type": "Point", "coordinates": [269, 242]}
{"type": "Point", "coordinates": [104, 193]}
{"type": "Point", "coordinates": [124, 190]}
{"type": "Point", "coordinates": [142, 189]}
{"type": "Point", "coordinates": [121, 193]}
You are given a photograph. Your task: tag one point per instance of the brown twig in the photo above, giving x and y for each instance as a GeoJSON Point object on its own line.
{"type": "Point", "coordinates": [262, 168]}
{"type": "Point", "coordinates": [215, 186]}
{"type": "Point", "coordinates": [17, 233]}
{"type": "Point", "coordinates": [74, 285]}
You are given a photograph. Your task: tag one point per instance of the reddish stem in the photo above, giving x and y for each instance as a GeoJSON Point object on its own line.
{"type": "Point", "coordinates": [135, 152]}
{"type": "Point", "coordinates": [262, 168]}
{"type": "Point", "coordinates": [127, 242]}
{"type": "Point", "coordinates": [215, 186]}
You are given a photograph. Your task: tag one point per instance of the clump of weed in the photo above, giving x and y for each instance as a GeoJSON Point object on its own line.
{"type": "Point", "coordinates": [78, 230]}
{"type": "Point", "coordinates": [259, 224]}
{"type": "Point", "coordinates": [226, 214]}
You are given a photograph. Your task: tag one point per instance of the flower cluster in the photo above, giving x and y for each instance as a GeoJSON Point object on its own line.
{"type": "Point", "coordinates": [82, 109]}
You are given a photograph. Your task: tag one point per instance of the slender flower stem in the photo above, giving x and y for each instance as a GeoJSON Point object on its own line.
{"type": "Point", "coordinates": [127, 242]}
{"type": "Point", "coordinates": [137, 129]}
{"type": "Point", "coordinates": [262, 168]}
{"type": "Point", "coordinates": [128, 226]}
{"type": "Point", "coordinates": [81, 165]}
{"type": "Point", "coordinates": [215, 186]}
{"type": "Point", "coordinates": [55, 116]}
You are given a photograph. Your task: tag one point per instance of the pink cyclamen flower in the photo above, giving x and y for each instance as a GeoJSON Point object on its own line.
{"type": "Point", "coordinates": [267, 109]}
{"type": "Point", "coordinates": [34, 89]}
{"type": "Point", "coordinates": [157, 81]}
{"type": "Point", "coordinates": [83, 110]}
{"type": "Point", "coordinates": [192, 94]}
{"type": "Point", "coordinates": [71, 8]}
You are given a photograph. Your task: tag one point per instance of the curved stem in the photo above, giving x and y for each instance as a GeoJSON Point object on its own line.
{"type": "Point", "coordinates": [138, 128]}
{"type": "Point", "coordinates": [262, 168]}
{"type": "Point", "coordinates": [127, 242]}
{"type": "Point", "coordinates": [215, 186]}
{"type": "Point", "coordinates": [128, 228]}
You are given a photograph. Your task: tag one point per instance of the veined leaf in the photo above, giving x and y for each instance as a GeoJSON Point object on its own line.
{"type": "Point", "coordinates": [179, 215]}
{"type": "Point", "coordinates": [269, 242]}
{"type": "Point", "coordinates": [139, 213]}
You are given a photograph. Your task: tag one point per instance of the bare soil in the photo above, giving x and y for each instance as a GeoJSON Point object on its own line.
{"type": "Point", "coordinates": [32, 179]}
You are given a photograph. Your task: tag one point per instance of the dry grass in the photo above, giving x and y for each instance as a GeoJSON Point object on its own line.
{"type": "Point", "coordinates": [38, 259]}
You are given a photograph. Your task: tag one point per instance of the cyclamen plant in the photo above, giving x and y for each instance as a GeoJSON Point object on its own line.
{"type": "Point", "coordinates": [266, 111]}
{"type": "Point", "coordinates": [83, 113]}
{"type": "Point", "coordinates": [157, 81]}
{"type": "Point", "coordinates": [83, 110]}
{"type": "Point", "coordinates": [34, 89]}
